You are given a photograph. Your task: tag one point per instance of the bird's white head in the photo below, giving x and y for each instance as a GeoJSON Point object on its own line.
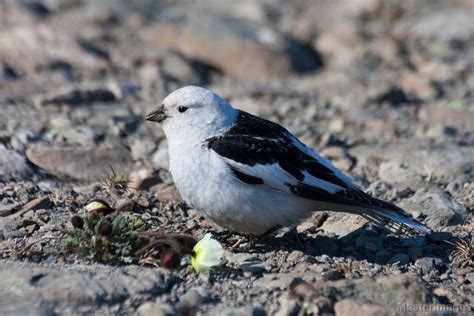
{"type": "Point", "coordinates": [193, 114]}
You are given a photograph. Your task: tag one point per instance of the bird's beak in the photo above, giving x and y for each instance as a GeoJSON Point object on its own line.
{"type": "Point", "coordinates": [157, 115]}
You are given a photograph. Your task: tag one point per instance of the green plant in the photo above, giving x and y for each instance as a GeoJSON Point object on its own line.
{"type": "Point", "coordinates": [106, 238]}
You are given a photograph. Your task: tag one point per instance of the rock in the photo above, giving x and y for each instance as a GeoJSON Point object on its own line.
{"type": "Point", "coordinates": [350, 307]}
{"type": "Point", "coordinates": [6, 210]}
{"type": "Point", "coordinates": [301, 300]}
{"type": "Point", "coordinates": [144, 178]}
{"type": "Point", "coordinates": [453, 187]}
{"type": "Point", "coordinates": [445, 115]}
{"type": "Point", "coordinates": [84, 285]}
{"type": "Point", "coordinates": [254, 266]}
{"type": "Point", "coordinates": [83, 135]}
{"type": "Point", "coordinates": [142, 148]}
{"type": "Point", "coordinates": [124, 205]}
{"type": "Point", "coordinates": [304, 227]}
{"type": "Point", "coordinates": [257, 52]}
{"type": "Point", "coordinates": [189, 302]}
{"type": "Point", "coordinates": [438, 208]}
{"type": "Point", "coordinates": [340, 46]}
{"type": "Point", "coordinates": [398, 174]}
{"type": "Point", "coordinates": [445, 161]}
{"type": "Point", "coordinates": [7, 225]}
{"type": "Point", "coordinates": [418, 86]}
{"type": "Point", "coordinates": [401, 259]}
{"type": "Point", "coordinates": [167, 193]}
{"type": "Point", "coordinates": [43, 202]}
{"type": "Point", "coordinates": [13, 165]}
{"type": "Point", "coordinates": [79, 163]}
{"type": "Point", "coordinates": [160, 158]}
{"type": "Point", "coordinates": [386, 290]}
{"type": "Point", "coordinates": [237, 311]}
{"type": "Point", "coordinates": [80, 96]}
{"type": "Point", "coordinates": [342, 224]}
{"type": "Point", "coordinates": [155, 309]}
{"type": "Point", "coordinates": [35, 45]}
{"type": "Point", "coordinates": [447, 26]}
{"type": "Point", "coordinates": [339, 157]}
{"type": "Point", "coordinates": [12, 304]}
{"type": "Point", "coordinates": [428, 264]}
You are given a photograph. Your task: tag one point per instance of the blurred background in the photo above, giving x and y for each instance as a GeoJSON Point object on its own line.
{"type": "Point", "coordinates": [382, 88]}
{"type": "Point", "coordinates": [356, 79]}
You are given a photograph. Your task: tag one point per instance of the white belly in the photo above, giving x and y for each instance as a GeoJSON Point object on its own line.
{"type": "Point", "coordinates": [206, 183]}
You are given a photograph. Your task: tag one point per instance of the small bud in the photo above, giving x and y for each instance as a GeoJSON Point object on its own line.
{"type": "Point", "coordinates": [105, 229]}
{"type": "Point", "coordinates": [98, 207]}
{"type": "Point", "coordinates": [77, 222]}
{"type": "Point", "coordinates": [170, 259]}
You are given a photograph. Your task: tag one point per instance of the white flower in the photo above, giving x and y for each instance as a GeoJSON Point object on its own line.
{"type": "Point", "coordinates": [207, 253]}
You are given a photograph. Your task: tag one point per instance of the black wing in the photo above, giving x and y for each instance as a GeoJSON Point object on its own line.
{"type": "Point", "coordinates": [255, 141]}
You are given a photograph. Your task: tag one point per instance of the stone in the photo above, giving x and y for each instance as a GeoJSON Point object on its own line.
{"type": "Point", "coordinates": [160, 158]}
{"type": "Point", "coordinates": [428, 264]}
{"type": "Point", "coordinates": [385, 290]}
{"type": "Point", "coordinates": [339, 157]}
{"type": "Point", "coordinates": [453, 187]}
{"type": "Point", "coordinates": [142, 148]}
{"type": "Point", "coordinates": [398, 174]}
{"type": "Point", "coordinates": [43, 202]}
{"type": "Point", "coordinates": [79, 163]}
{"type": "Point", "coordinates": [166, 193]}
{"type": "Point", "coordinates": [79, 284]}
{"type": "Point", "coordinates": [418, 86]}
{"type": "Point", "coordinates": [79, 96]}
{"type": "Point", "coordinates": [35, 44]}
{"type": "Point", "coordinates": [448, 26]}
{"type": "Point", "coordinates": [237, 311]}
{"type": "Point", "coordinates": [438, 208]}
{"type": "Point", "coordinates": [444, 162]}
{"type": "Point", "coordinates": [13, 304]}
{"type": "Point", "coordinates": [7, 225]}
{"type": "Point", "coordinates": [257, 52]}
{"type": "Point", "coordinates": [13, 165]}
{"type": "Point", "coordinates": [444, 115]}
{"type": "Point", "coordinates": [350, 307]}
{"type": "Point", "coordinates": [254, 266]}
{"type": "Point", "coordinates": [143, 178]}
{"type": "Point", "coordinates": [342, 224]}
{"type": "Point", "coordinates": [189, 302]}
{"type": "Point", "coordinates": [7, 209]}
{"type": "Point", "coordinates": [155, 309]}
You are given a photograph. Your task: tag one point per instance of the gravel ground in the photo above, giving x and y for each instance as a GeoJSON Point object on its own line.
{"type": "Point", "coordinates": [384, 89]}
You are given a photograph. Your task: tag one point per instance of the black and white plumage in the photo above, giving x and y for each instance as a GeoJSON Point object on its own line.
{"type": "Point", "coordinates": [250, 175]}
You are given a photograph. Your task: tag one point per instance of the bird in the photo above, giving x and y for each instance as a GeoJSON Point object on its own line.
{"type": "Point", "coordinates": [251, 176]}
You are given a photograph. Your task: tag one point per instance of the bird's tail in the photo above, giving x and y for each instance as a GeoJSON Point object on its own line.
{"type": "Point", "coordinates": [396, 221]}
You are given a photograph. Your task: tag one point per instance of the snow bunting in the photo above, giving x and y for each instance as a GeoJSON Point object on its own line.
{"type": "Point", "coordinates": [250, 175]}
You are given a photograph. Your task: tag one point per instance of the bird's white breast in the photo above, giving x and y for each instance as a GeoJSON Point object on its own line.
{"type": "Point", "coordinates": [206, 183]}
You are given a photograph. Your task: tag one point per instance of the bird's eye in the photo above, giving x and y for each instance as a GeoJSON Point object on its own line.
{"type": "Point", "coordinates": [182, 109]}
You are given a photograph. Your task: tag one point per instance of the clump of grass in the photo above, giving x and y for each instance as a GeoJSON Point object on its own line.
{"type": "Point", "coordinates": [105, 234]}
{"type": "Point", "coordinates": [463, 252]}
{"type": "Point", "coordinates": [105, 237]}
{"type": "Point", "coordinates": [115, 184]}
